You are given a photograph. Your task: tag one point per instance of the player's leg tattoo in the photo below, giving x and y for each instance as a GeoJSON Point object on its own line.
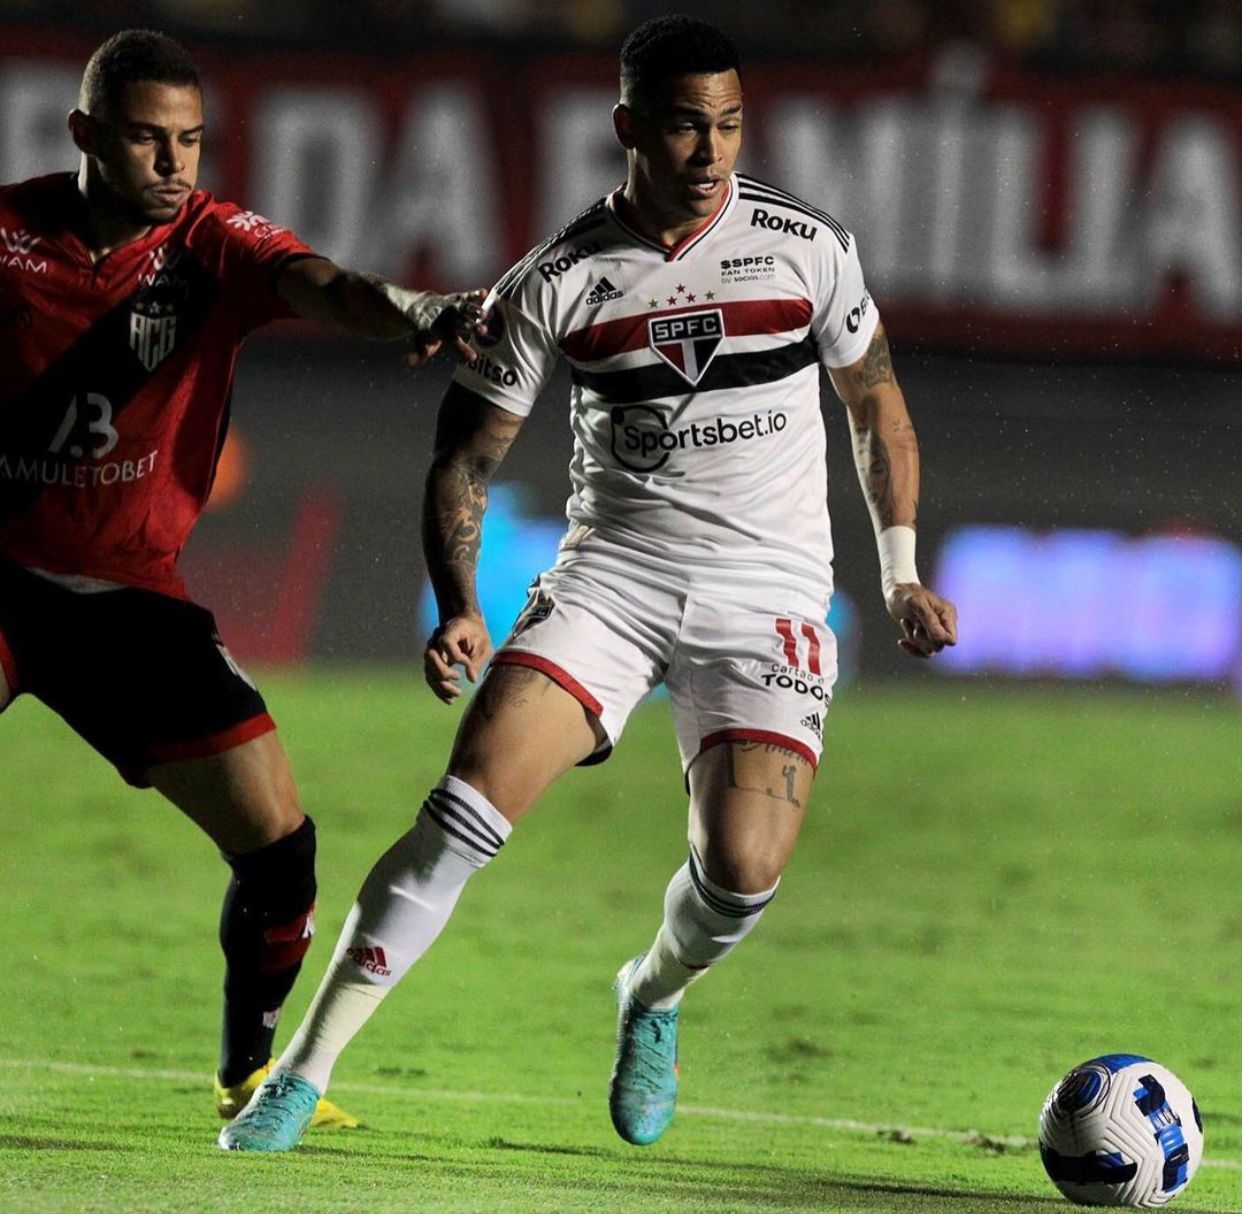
{"type": "Point", "coordinates": [521, 732]}
{"type": "Point", "coordinates": [510, 687]}
{"type": "Point", "coordinates": [778, 781]}
{"type": "Point", "coordinates": [748, 801]}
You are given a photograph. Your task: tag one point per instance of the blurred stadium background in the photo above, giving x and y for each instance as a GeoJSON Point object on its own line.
{"type": "Point", "coordinates": [1046, 196]}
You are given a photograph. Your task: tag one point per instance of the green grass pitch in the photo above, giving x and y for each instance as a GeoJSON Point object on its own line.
{"type": "Point", "coordinates": [992, 886]}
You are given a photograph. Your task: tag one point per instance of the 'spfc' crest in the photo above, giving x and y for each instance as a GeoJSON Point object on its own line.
{"type": "Point", "coordinates": [688, 341]}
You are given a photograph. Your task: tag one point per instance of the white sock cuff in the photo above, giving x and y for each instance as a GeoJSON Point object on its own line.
{"type": "Point", "coordinates": [726, 901]}
{"type": "Point", "coordinates": [473, 827]}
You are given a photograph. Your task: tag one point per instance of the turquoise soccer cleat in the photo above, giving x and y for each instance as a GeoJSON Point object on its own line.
{"type": "Point", "coordinates": [643, 1091]}
{"type": "Point", "coordinates": [231, 1100]}
{"type": "Point", "coordinates": [276, 1117]}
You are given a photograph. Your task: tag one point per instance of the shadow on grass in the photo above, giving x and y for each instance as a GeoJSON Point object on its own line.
{"type": "Point", "coordinates": [716, 1185]}
{"type": "Point", "coordinates": [713, 1184]}
{"type": "Point", "coordinates": [31, 1142]}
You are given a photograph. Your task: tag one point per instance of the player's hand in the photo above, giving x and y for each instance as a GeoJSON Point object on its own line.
{"type": "Point", "coordinates": [446, 318]}
{"type": "Point", "coordinates": [928, 621]}
{"type": "Point", "coordinates": [459, 642]}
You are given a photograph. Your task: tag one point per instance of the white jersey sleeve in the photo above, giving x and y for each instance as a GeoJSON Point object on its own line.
{"type": "Point", "coordinates": [845, 317]}
{"type": "Point", "coordinates": [515, 359]}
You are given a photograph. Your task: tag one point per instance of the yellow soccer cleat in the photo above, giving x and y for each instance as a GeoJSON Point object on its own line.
{"type": "Point", "coordinates": [231, 1100]}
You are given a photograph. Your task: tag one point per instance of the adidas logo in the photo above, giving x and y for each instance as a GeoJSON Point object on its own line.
{"type": "Point", "coordinates": [371, 959]}
{"type": "Point", "coordinates": [601, 293]}
{"type": "Point", "coordinates": [815, 724]}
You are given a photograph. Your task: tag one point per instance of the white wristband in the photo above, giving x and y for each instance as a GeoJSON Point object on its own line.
{"type": "Point", "coordinates": [421, 308]}
{"type": "Point", "coordinates": [896, 545]}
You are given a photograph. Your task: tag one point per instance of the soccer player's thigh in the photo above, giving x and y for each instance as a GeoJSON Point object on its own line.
{"type": "Point", "coordinates": [243, 797]}
{"type": "Point", "coordinates": [558, 694]}
{"type": "Point", "coordinates": [748, 801]}
{"type": "Point", "coordinates": [144, 678]}
{"type": "Point", "coordinates": [750, 691]}
{"type": "Point", "coordinates": [215, 753]}
{"type": "Point", "coordinates": [521, 731]}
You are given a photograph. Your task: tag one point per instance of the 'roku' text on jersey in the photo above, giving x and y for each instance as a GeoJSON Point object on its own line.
{"type": "Point", "coordinates": [695, 403]}
{"type": "Point", "coordinates": [117, 375]}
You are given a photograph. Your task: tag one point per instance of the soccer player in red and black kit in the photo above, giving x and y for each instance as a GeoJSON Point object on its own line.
{"type": "Point", "coordinates": [125, 295]}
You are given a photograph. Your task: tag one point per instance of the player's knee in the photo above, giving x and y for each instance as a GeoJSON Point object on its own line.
{"type": "Point", "coordinates": [273, 889]}
{"type": "Point", "coordinates": [475, 769]}
{"type": "Point", "coordinates": [277, 822]}
{"type": "Point", "coordinates": [288, 857]}
{"type": "Point", "coordinates": [744, 871]}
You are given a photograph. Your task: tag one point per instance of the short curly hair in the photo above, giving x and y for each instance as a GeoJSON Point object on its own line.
{"type": "Point", "coordinates": [130, 56]}
{"type": "Point", "coordinates": [675, 45]}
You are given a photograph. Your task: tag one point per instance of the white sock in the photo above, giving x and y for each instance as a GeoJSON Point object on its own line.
{"type": "Point", "coordinates": [703, 922]}
{"type": "Point", "coordinates": [404, 904]}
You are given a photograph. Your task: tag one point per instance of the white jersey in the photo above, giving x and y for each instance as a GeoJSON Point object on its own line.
{"type": "Point", "coordinates": [696, 399]}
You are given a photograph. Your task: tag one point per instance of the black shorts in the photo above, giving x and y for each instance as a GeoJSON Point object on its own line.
{"type": "Point", "coordinates": [141, 676]}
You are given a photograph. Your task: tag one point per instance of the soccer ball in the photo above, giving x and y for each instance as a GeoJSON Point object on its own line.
{"type": "Point", "coordinates": [1120, 1130]}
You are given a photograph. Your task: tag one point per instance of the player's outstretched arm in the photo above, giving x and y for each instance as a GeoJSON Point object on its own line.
{"type": "Point", "coordinates": [472, 437]}
{"type": "Point", "coordinates": [886, 452]}
{"type": "Point", "coordinates": [370, 306]}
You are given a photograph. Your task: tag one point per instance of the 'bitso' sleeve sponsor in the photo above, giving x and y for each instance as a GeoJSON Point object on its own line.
{"type": "Point", "coordinates": [845, 316]}
{"type": "Point", "coordinates": [515, 360]}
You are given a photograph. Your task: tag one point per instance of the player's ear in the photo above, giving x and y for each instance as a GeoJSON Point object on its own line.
{"type": "Point", "coordinates": [84, 131]}
{"type": "Point", "coordinates": [623, 125]}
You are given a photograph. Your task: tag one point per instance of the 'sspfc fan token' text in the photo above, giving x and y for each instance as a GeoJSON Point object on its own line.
{"type": "Point", "coordinates": [1121, 1130]}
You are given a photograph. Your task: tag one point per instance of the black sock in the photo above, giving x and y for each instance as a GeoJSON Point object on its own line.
{"type": "Point", "coordinates": [265, 929]}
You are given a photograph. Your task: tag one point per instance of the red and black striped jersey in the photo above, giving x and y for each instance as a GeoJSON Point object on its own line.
{"type": "Point", "coordinates": [695, 400]}
{"type": "Point", "coordinates": [118, 374]}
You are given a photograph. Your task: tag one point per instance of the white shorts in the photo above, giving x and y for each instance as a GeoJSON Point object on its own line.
{"type": "Point", "coordinates": [744, 660]}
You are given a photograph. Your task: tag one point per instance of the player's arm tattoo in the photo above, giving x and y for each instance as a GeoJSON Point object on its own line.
{"type": "Point", "coordinates": [876, 366]}
{"type": "Point", "coordinates": [875, 473]}
{"type": "Point", "coordinates": [749, 767]}
{"type": "Point", "coordinates": [886, 451]}
{"type": "Point", "coordinates": [472, 437]}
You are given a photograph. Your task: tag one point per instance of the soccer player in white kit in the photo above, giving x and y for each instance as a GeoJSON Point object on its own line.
{"type": "Point", "coordinates": [695, 307]}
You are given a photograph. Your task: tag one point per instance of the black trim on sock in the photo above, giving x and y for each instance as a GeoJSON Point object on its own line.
{"type": "Point", "coordinates": [735, 910]}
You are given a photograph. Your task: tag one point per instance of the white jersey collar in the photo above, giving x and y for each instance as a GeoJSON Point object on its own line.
{"type": "Point", "coordinates": [687, 243]}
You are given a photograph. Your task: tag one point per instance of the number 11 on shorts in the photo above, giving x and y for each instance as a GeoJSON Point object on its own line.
{"type": "Point", "coordinates": [785, 630]}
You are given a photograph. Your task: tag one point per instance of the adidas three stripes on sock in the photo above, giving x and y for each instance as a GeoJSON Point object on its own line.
{"type": "Point", "coordinates": [402, 907]}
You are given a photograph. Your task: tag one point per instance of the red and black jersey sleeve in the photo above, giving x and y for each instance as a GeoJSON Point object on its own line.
{"type": "Point", "coordinates": [246, 253]}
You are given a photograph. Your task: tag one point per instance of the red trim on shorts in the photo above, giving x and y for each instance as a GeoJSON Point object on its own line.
{"type": "Point", "coordinates": [760, 735]}
{"type": "Point", "coordinates": [562, 678]}
{"type": "Point", "coordinates": [8, 663]}
{"type": "Point", "coordinates": [214, 743]}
